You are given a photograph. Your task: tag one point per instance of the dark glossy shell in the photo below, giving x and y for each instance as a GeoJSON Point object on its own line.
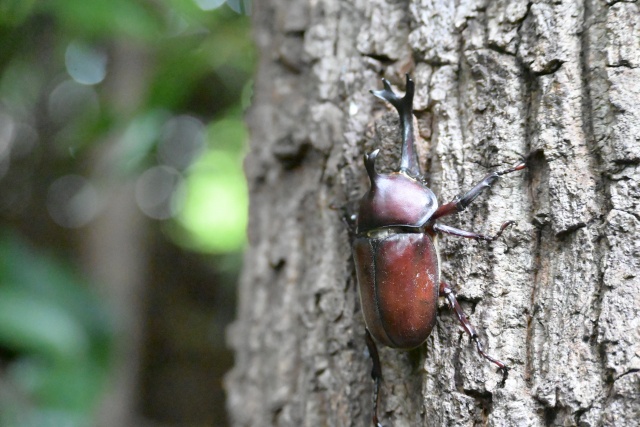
{"type": "Point", "coordinates": [398, 277]}
{"type": "Point", "coordinates": [395, 200]}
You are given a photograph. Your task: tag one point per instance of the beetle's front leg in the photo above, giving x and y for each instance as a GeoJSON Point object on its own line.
{"type": "Point", "coordinates": [376, 376]}
{"type": "Point", "coordinates": [461, 203]}
{"type": "Point", "coordinates": [446, 292]}
{"type": "Point", "coordinates": [348, 218]}
{"type": "Point", "coordinates": [470, 234]}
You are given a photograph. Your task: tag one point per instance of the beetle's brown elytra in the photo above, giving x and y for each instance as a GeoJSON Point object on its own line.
{"type": "Point", "coordinates": [395, 253]}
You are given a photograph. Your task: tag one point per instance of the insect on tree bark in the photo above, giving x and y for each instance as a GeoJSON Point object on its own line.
{"type": "Point", "coordinates": [555, 297]}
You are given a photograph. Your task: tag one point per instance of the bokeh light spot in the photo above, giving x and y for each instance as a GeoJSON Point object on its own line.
{"type": "Point", "coordinates": [216, 208]}
{"type": "Point", "coordinates": [7, 132]}
{"type": "Point", "coordinates": [85, 64]}
{"type": "Point", "coordinates": [70, 100]}
{"type": "Point", "coordinates": [240, 6]}
{"type": "Point", "coordinates": [159, 192]}
{"type": "Point", "coordinates": [72, 201]}
{"type": "Point", "coordinates": [209, 4]}
{"type": "Point", "coordinates": [181, 142]}
{"type": "Point", "coordinates": [25, 139]}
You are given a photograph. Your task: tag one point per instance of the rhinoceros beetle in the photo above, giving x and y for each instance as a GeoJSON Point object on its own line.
{"type": "Point", "coordinates": [395, 248]}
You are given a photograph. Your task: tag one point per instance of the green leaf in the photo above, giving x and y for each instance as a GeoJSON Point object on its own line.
{"type": "Point", "coordinates": [100, 18]}
{"type": "Point", "coordinates": [39, 326]}
{"type": "Point", "coordinates": [14, 12]}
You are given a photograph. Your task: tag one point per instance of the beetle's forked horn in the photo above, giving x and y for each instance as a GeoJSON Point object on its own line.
{"type": "Point", "coordinates": [409, 160]}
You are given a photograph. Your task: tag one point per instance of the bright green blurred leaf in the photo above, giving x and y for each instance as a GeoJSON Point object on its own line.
{"type": "Point", "coordinates": [39, 326]}
{"type": "Point", "coordinates": [47, 279]}
{"type": "Point", "coordinates": [106, 17]}
{"type": "Point", "coordinates": [67, 386]}
{"type": "Point", "coordinates": [20, 416]}
{"type": "Point", "coordinates": [59, 335]}
{"type": "Point", "coordinates": [14, 12]}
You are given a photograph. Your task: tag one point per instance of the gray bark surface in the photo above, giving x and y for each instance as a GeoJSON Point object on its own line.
{"type": "Point", "coordinates": [556, 298]}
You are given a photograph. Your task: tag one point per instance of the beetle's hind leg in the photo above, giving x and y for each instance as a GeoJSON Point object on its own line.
{"type": "Point", "coordinates": [446, 292]}
{"type": "Point", "coordinates": [461, 203]}
{"type": "Point", "coordinates": [376, 376]}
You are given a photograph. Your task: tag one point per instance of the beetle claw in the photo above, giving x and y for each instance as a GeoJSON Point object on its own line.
{"type": "Point", "coordinates": [499, 233]}
{"type": "Point", "coordinates": [505, 375]}
{"type": "Point", "coordinates": [518, 167]}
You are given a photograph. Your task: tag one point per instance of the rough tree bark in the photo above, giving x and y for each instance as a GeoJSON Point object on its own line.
{"type": "Point", "coordinates": [556, 297]}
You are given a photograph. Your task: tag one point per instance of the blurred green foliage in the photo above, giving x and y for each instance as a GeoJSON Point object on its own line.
{"type": "Point", "coordinates": [202, 63]}
{"type": "Point", "coordinates": [56, 340]}
{"type": "Point", "coordinates": [55, 336]}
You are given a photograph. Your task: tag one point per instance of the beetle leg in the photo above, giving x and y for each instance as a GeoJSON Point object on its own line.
{"type": "Point", "coordinates": [470, 234]}
{"type": "Point", "coordinates": [409, 159]}
{"type": "Point", "coordinates": [376, 375]}
{"type": "Point", "coordinates": [446, 292]}
{"type": "Point", "coordinates": [460, 203]}
{"type": "Point", "coordinates": [348, 218]}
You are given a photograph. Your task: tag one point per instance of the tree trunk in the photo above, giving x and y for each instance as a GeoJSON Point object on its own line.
{"type": "Point", "coordinates": [556, 297]}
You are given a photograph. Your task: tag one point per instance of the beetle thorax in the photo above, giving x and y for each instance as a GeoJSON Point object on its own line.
{"type": "Point", "coordinates": [395, 200]}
